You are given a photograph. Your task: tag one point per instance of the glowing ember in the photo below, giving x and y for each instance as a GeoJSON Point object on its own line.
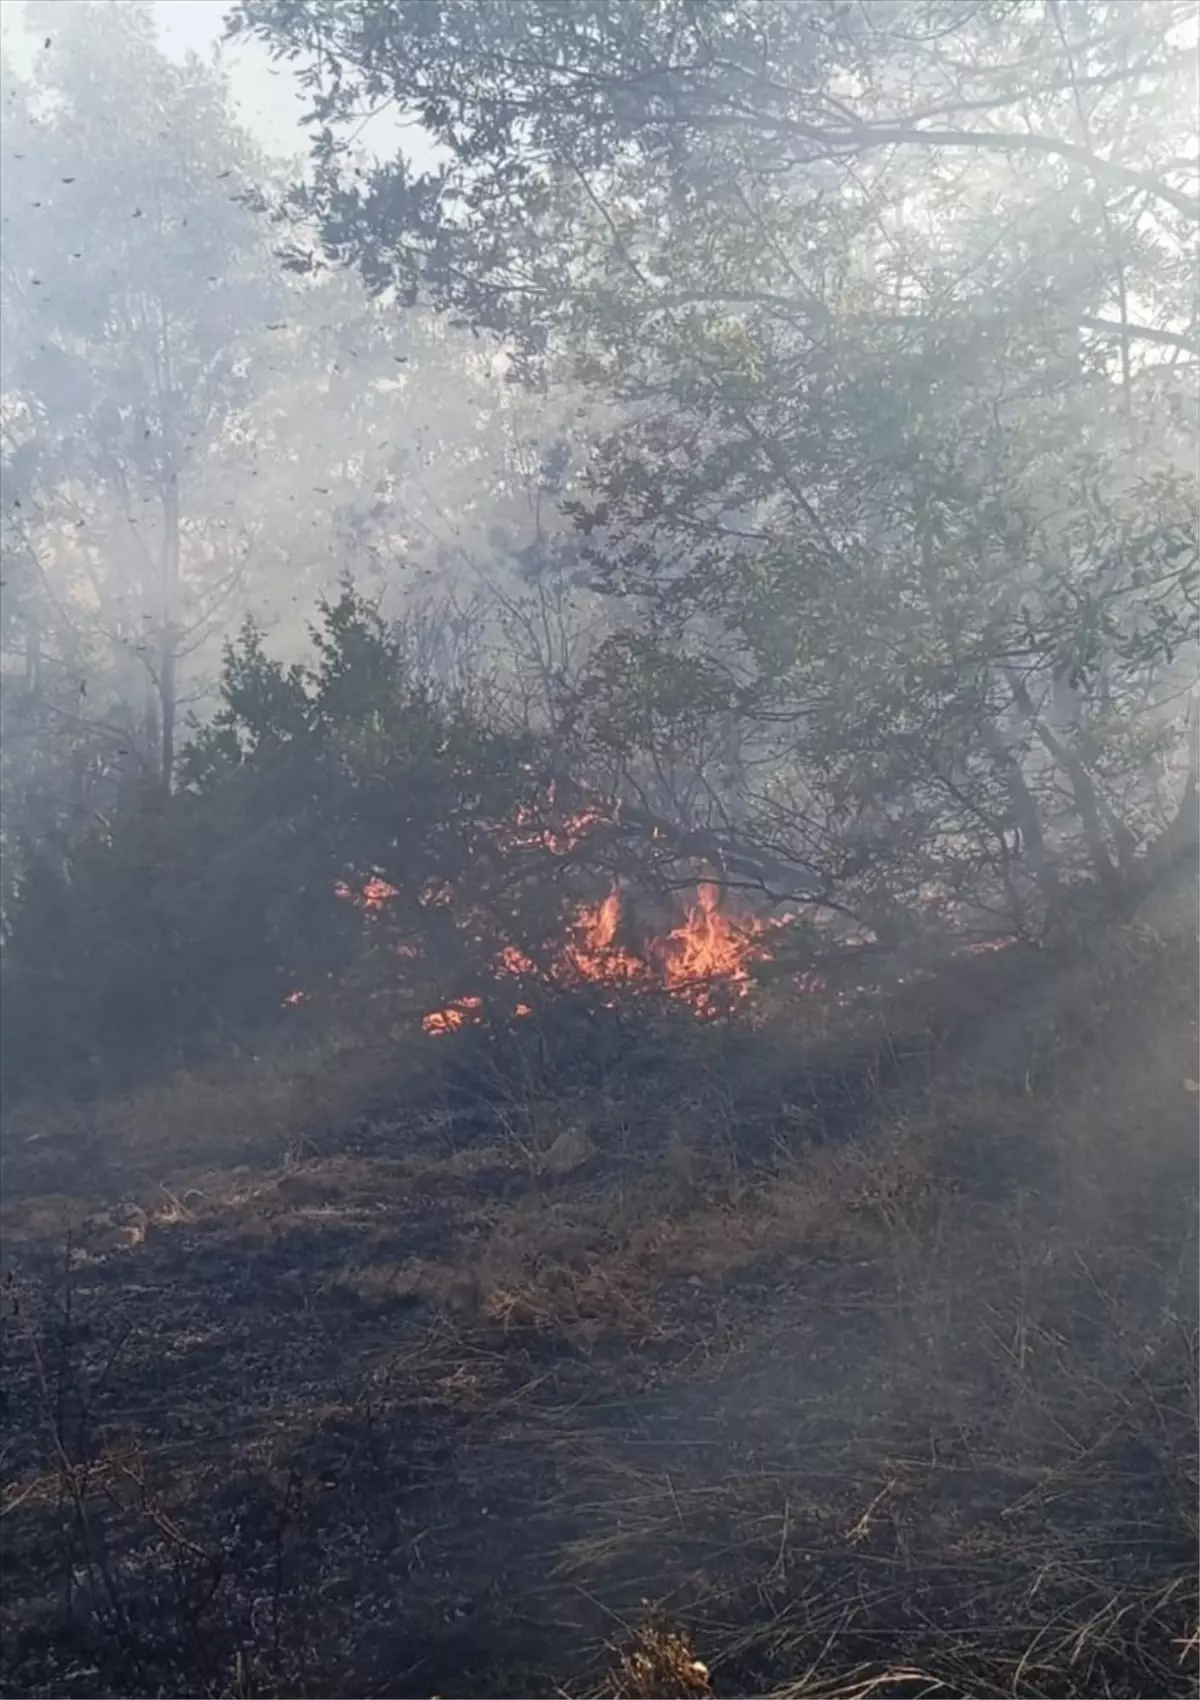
{"type": "Point", "coordinates": [463, 1012]}
{"type": "Point", "coordinates": [373, 895]}
{"type": "Point", "coordinates": [530, 830]}
{"type": "Point", "coordinates": [514, 961]}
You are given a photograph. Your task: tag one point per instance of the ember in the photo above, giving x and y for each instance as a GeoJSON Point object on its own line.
{"type": "Point", "coordinates": [463, 1012]}
{"type": "Point", "coordinates": [372, 895]}
{"type": "Point", "coordinates": [531, 830]}
{"type": "Point", "coordinates": [704, 962]}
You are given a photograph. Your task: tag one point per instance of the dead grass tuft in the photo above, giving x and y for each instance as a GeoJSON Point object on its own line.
{"type": "Point", "coordinates": [658, 1664]}
{"type": "Point", "coordinates": [248, 1109]}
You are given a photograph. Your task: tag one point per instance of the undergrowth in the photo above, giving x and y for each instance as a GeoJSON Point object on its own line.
{"type": "Point", "coordinates": [844, 1353]}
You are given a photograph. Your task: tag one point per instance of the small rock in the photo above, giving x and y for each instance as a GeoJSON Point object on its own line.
{"type": "Point", "coordinates": [571, 1149]}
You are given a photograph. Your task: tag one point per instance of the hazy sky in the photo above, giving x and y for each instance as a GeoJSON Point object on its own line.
{"type": "Point", "coordinates": [267, 96]}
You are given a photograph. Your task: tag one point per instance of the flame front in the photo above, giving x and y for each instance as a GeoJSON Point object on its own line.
{"type": "Point", "coordinates": [712, 949]}
{"type": "Point", "coordinates": [704, 962]}
{"type": "Point", "coordinates": [592, 953]}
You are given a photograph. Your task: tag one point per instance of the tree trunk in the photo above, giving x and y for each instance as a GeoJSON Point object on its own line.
{"type": "Point", "coordinates": [1181, 840]}
{"type": "Point", "coordinates": [1025, 815]}
{"type": "Point", "coordinates": [169, 636]}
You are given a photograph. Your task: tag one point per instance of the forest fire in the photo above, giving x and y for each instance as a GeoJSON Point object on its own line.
{"type": "Point", "coordinates": [529, 830]}
{"type": "Point", "coordinates": [704, 962]}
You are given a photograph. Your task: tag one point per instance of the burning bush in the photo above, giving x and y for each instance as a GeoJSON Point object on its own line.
{"type": "Point", "coordinates": [342, 831]}
{"type": "Point", "coordinates": [345, 832]}
{"type": "Point", "coordinates": [704, 962]}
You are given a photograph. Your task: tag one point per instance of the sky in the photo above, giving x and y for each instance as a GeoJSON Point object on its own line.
{"type": "Point", "coordinates": [268, 98]}
{"type": "Point", "coordinates": [266, 95]}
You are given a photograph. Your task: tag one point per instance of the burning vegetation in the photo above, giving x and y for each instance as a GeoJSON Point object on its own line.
{"type": "Point", "coordinates": [704, 963]}
{"type": "Point", "coordinates": [618, 1119]}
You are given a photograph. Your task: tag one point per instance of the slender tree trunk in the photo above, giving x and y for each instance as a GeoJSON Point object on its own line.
{"type": "Point", "coordinates": [1089, 808]}
{"type": "Point", "coordinates": [1181, 839]}
{"type": "Point", "coordinates": [169, 637]}
{"type": "Point", "coordinates": [1025, 815]}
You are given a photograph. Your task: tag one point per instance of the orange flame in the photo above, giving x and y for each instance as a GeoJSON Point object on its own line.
{"type": "Point", "coordinates": [592, 952]}
{"type": "Point", "coordinates": [463, 1012]}
{"type": "Point", "coordinates": [713, 947]}
{"type": "Point", "coordinates": [529, 830]}
{"type": "Point", "coordinates": [704, 962]}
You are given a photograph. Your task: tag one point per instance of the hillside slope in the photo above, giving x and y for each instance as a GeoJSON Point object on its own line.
{"type": "Point", "coordinates": [405, 1390]}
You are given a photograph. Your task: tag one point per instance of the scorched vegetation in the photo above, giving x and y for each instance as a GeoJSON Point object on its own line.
{"type": "Point", "coordinates": [600, 792]}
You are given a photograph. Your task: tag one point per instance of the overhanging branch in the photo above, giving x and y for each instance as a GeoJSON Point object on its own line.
{"type": "Point", "coordinates": [1143, 333]}
{"type": "Point", "coordinates": [855, 138]}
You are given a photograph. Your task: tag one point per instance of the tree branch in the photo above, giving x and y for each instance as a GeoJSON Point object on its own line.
{"type": "Point", "coordinates": [1187, 344]}
{"type": "Point", "coordinates": [856, 138]}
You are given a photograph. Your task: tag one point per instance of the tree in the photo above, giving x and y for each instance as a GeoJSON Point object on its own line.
{"type": "Point", "coordinates": [322, 832]}
{"type": "Point", "coordinates": [137, 291]}
{"type": "Point", "coordinates": [401, 451]}
{"type": "Point", "coordinates": [309, 434]}
{"type": "Point", "coordinates": [897, 305]}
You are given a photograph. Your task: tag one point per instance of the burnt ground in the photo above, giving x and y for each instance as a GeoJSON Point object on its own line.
{"type": "Point", "coordinates": [459, 1402]}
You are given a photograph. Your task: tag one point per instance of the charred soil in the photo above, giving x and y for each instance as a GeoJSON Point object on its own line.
{"type": "Point", "coordinates": [735, 1360]}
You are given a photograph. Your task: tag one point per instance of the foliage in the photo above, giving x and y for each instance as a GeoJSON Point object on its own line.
{"type": "Point", "coordinates": [878, 587]}
{"type": "Point", "coordinates": [896, 311]}
{"type": "Point", "coordinates": [190, 919]}
{"type": "Point", "coordinates": [137, 288]}
{"type": "Point", "coordinates": [189, 434]}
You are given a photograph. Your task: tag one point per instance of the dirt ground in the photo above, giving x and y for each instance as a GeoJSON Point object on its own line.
{"type": "Point", "coordinates": [442, 1404]}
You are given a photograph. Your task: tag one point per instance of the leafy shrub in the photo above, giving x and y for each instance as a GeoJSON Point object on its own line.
{"type": "Point", "coordinates": [196, 914]}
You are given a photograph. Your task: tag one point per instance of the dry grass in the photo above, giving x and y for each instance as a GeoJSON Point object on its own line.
{"type": "Point", "coordinates": [657, 1664]}
{"type": "Point", "coordinates": [897, 1404]}
{"type": "Point", "coordinates": [246, 1109]}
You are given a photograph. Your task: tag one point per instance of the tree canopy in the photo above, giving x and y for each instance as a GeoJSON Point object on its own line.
{"type": "Point", "coordinates": [897, 306]}
{"type": "Point", "coordinates": [773, 425]}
